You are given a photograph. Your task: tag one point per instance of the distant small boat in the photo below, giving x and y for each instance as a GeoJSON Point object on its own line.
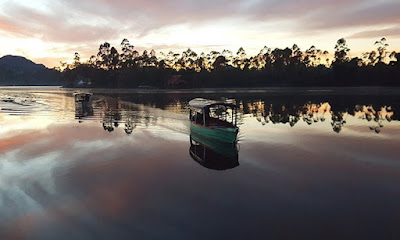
{"type": "Point", "coordinates": [83, 105]}
{"type": "Point", "coordinates": [83, 97]}
{"type": "Point", "coordinates": [215, 120]}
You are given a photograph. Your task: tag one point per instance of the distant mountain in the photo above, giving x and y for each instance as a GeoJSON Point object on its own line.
{"type": "Point", "coordinates": [16, 70]}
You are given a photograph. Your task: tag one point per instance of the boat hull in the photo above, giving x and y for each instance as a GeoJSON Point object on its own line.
{"type": "Point", "coordinates": [222, 134]}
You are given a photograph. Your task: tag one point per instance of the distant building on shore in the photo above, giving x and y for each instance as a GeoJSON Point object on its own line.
{"type": "Point", "coordinates": [175, 81]}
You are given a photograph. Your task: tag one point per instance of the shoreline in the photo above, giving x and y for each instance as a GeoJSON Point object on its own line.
{"type": "Point", "coordinates": [271, 90]}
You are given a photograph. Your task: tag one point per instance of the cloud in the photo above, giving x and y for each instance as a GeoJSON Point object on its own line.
{"type": "Point", "coordinates": [378, 33]}
{"type": "Point", "coordinates": [76, 21]}
{"type": "Point", "coordinates": [150, 24]}
{"type": "Point", "coordinates": [290, 9]}
{"type": "Point", "coordinates": [10, 27]}
{"type": "Point", "coordinates": [54, 27]}
{"type": "Point", "coordinates": [370, 15]}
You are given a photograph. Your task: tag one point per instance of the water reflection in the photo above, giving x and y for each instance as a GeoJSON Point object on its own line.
{"type": "Point", "coordinates": [116, 111]}
{"type": "Point", "coordinates": [318, 112]}
{"type": "Point", "coordinates": [213, 154]}
{"type": "Point", "coordinates": [130, 124]}
{"type": "Point", "coordinates": [131, 111]}
{"type": "Point", "coordinates": [61, 178]}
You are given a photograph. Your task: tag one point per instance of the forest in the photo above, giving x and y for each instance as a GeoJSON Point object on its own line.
{"type": "Point", "coordinates": [288, 67]}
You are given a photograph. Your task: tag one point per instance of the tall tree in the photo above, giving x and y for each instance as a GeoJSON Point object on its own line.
{"type": "Point", "coordinates": [104, 55]}
{"type": "Point", "coordinates": [382, 53]}
{"type": "Point", "coordinates": [341, 51]}
{"type": "Point", "coordinates": [127, 54]}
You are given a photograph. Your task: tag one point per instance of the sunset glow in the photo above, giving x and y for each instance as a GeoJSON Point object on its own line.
{"type": "Point", "coordinates": [51, 31]}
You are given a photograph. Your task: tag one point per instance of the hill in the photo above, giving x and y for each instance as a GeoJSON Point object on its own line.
{"type": "Point", "coordinates": [17, 70]}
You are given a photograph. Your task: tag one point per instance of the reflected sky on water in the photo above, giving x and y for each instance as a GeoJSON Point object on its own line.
{"type": "Point", "coordinates": [309, 165]}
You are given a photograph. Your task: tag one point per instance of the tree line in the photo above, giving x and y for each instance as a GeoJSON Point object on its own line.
{"type": "Point", "coordinates": [292, 66]}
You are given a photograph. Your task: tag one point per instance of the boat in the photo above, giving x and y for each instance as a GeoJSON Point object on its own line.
{"type": "Point", "coordinates": [216, 120]}
{"type": "Point", "coordinates": [83, 97]}
{"type": "Point", "coordinates": [213, 154]}
{"type": "Point", "coordinates": [83, 105]}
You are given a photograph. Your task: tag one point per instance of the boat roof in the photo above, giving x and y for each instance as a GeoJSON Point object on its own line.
{"type": "Point", "coordinates": [77, 94]}
{"type": "Point", "coordinates": [202, 103]}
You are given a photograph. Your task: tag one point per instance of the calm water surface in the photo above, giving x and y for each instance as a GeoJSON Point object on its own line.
{"type": "Point", "coordinates": [308, 164]}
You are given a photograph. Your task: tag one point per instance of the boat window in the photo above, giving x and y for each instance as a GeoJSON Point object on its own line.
{"type": "Point", "coordinates": [196, 116]}
{"type": "Point", "coordinates": [222, 112]}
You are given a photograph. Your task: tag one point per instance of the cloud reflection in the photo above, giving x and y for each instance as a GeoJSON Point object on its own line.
{"type": "Point", "coordinates": [41, 186]}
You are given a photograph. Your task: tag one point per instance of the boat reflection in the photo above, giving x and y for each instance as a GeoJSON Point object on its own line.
{"type": "Point", "coordinates": [213, 154]}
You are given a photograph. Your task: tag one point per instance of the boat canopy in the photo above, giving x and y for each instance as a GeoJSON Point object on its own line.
{"type": "Point", "coordinates": [82, 94]}
{"type": "Point", "coordinates": [82, 97]}
{"type": "Point", "coordinates": [207, 103]}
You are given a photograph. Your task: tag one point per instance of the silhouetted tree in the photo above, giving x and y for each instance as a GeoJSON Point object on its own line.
{"type": "Point", "coordinates": [127, 54]}
{"type": "Point", "coordinates": [382, 45]}
{"type": "Point", "coordinates": [77, 59]}
{"type": "Point", "coordinates": [277, 67]}
{"type": "Point", "coordinates": [220, 62]}
{"type": "Point", "coordinates": [341, 50]}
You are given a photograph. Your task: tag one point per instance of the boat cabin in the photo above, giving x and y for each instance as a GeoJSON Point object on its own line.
{"type": "Point", "coordinates": [213, 113]}
{"type": "Point", "coordinates": [82, 97]}
{"type": "Point", "coordinates": [214, 120]}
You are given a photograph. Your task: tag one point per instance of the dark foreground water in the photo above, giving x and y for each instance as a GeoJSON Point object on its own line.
{"type": "Point", "coordinates": [309, 165]}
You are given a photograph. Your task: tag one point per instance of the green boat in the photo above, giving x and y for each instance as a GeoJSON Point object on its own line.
{"type": "Point", "coordinates": [215, 120]}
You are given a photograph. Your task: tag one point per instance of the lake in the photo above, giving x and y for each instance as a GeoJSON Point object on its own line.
{"type": "Point", "coordinates": [309, 163]}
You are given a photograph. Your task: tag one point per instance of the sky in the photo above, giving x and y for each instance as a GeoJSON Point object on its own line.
{"type": "Point", "coordinates": [50, 31]}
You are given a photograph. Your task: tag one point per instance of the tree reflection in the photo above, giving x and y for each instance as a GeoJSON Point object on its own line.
{"type": "Point", "coordinates": [116, 112]}
{"type": "Point", "coordinates": [131, 112]}
{"type": "Point", "coordinates": [369, 114]}
{"type": "Point", "coordinates": [108, 122]}
{"type": "Point", "coordinates": [112, 115]}
{"type": "Point", "coordinates": [129, 125]}
{"type": "Point", "coordinates": [337, 121]}
{"type": "Point", "coordinates": [311, 113]}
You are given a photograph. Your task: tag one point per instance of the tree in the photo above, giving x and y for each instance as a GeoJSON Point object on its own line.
{"type": "Point", "coordinates": [77, 59]}
{"type": "Point", "coordinates": [92, 61]}
{"type": "Point", "coordinates": [127, 54]}
{"type": "Point", "coordinates": [113, 58]}
{"type": "Point", "coordinates": [382, 53]}
{"type": "Point", "coordinates": [240, 60]}
{"type": "Point", "coordinates": [370, 58]}
{"type": "Point", "coordinates": [220, 62]}
{"type": "Point", "coordinates": [228, 55]}
{"type": "Point", "coordinates": [395, 58]}
{"type": "Point", "coordinates": [153, 59]}
{"type": "Point", "coordinates": [188, 59]}
{"type": "Point", "coordinates": [104, 55]}
{"type": "Point", "coordinates": [341, 51]}
{"type": "Point", "coordinates": [297, 55]}
{"type": "Point", "coordinates": [278, 67]}
{"type": "Point", "coordinates": [281, 57]}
